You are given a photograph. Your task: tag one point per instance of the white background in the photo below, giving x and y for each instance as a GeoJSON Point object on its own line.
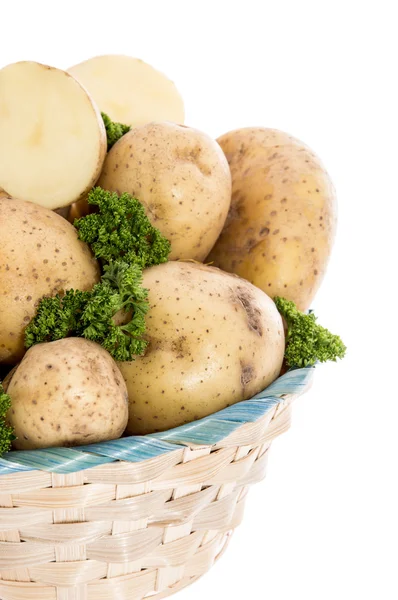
{"type": "Point", "coordinates": [323, 525]}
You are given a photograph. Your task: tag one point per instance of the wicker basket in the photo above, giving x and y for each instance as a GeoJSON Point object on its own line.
{"type": "Point", "coordinates": [141, 517]}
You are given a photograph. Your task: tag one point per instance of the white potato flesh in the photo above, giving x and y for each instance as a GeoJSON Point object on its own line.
{"type": "Point", "coordinates": [129, 90]}
{"type": "Point", "coordinates": [52, 137]}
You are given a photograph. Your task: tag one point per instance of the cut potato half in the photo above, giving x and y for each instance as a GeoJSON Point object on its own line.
{"type": "Point", "coordinates": [129, 90]}
{"type": "Point", "coordinates": [52, 137]}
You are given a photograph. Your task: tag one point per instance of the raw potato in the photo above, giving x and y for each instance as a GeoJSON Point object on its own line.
{"type": "Point", "coordinates": [182, 178]}
{"type": "Point", "coordinates": [78, 209]}
{"type": "Point", "coordinates": [40, 255]}
{"type": "Point", "coordinates": [281, 225]}
{"type": "Point", "coordinates": [63, 212]}
{"type": "Point", "coordinates": [129, 90]}
{"type": "Point", "coordinates": [52, 137]}
{"type": "Point", "coordinates": [66, 393]}
{"type": "Point", "coordinates": [214, 339]}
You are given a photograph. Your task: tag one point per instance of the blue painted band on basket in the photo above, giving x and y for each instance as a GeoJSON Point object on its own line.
{"type": "Point", "coordinates": [208, 431]}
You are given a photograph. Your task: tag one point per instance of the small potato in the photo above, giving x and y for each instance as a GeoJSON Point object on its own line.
{"type": "Point", "coordinates": [214, 339]}
{"type": "Point", "coordinates": [66, 393]}
{"type": "Point", "coordinates": [181, 177]}
{"type": "Point", "coordinates": [40, 255]}
{"type": "Point", "coordinates": [281, 225]}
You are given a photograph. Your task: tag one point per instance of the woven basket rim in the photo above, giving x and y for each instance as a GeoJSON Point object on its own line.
{"type": "Point", "coordinates": [209, 431]}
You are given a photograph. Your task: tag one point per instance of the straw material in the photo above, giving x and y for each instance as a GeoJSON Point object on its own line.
{"type": "Point", "coordinates": [129, 530]}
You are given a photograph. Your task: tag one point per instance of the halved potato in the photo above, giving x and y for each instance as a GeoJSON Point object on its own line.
{"type": "Point", "coordinates": [52, 137]}
{"type": "Point", "coordinates": [129, 90]}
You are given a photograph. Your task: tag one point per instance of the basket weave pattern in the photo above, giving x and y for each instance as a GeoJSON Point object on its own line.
{"type": "Point", "coordinates": [129, 530]}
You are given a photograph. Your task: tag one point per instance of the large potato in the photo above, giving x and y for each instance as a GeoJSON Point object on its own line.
{"type": "Point", "coordinates": [66, 393]}
{"type": "Point", "coordinates": [182, 178]}
{"type": "Point", "coordinates": [214, 339]}
{"type": "Point", "coordinates": [40, 255]}
{"type": "Point", "coordinates": [281, 225]}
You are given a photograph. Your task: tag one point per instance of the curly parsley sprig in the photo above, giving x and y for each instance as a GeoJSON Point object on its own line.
{"type": "Point", "coordinates": [114, 131]}
{"type": "Point", "coordinates": [121, 228]}
{"type": "Point", "coordinates": [6, 431]}
{"type": "Point", "coordinates": [307, 342]}
{"type": "Point", "coordinates": [113, 312]}
{"type": "Point", "coordinates": [95, 314]}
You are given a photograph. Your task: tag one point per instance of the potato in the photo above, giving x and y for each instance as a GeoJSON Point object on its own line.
{"type": "Point", "coordinates": [79, 209]}
{"type": "Point", "coordinates": [52, 136]}
{"type": "Point", "coordinates": [63, 212]}
{"type": "Point", "coordinates": [214, 339]}
{"type": "Point", "coordinates": [6, 372]}
{"type": "Point", "coordinates": [40, 255]}
{"type": "Point", "coordinates": [66, 393]}
{"type": "Point", "coordinates": [181, 177]}
{"type": "Point", "coordinates": [281, 225]}
{"type": "Point", "coordinates": [129, 90]}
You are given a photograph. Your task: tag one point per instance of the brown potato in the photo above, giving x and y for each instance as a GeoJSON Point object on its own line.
{"type": "Point", "coordinates": [214, 340]}
{"type": "Point", "coordinates": [66, 393]}
{"type": "Point", "coordinates": [40, 255]}
{"type": "Point", "coordinates": [181, 177]}
{"type": "Point", "coordinates": [281, 225]}
{"type": "Point", "coordinates": [79, 209]}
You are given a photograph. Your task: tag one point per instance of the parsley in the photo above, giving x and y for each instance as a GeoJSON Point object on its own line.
{"type": "Point", "coordinates": [6, 431]}
{"type": "Point", "coordinates": [113, 312]}
{"type": "Point", "coordinates": [121, 229]}
{"type": "Point", "coordinates": [95, 314]}
{"type": "Point", "coordinates": [306, 341]}
{"type": "Point", "coordinates": [114, 131]}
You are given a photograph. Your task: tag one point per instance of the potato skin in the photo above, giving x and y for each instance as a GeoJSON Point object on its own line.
{"type": "Point", "coordinates": [182, 178]}
{"type": "Point", "coordinates": [214, 339]}
{"type": "Point", "coordinates": [79, 209]}
{"type": "Point", "coordinates": [66, 393]}
{"type": "Point", "coordinates": [281, 225]}
{"type": "Point", "coordinates": [40, 254]}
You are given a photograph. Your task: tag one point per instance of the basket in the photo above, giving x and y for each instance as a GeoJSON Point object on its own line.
{"type": "Point", "coordinates": [139, 517]}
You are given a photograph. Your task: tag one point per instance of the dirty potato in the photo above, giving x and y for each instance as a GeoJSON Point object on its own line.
{"type": "Point", "coordinates": [181, 177]}
{"type": "Point", "coordinates": [281, 225]}
{"type": "Point", "coordinates": [214, 339]}
{"type": "Point", "coordinates": [66, 393]}
{"type": "Point", "coordinates": [40, 255]}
